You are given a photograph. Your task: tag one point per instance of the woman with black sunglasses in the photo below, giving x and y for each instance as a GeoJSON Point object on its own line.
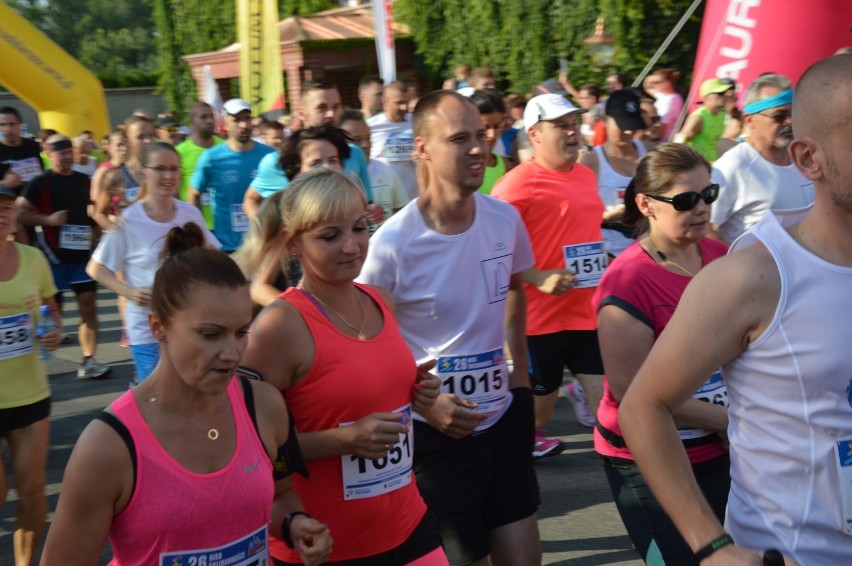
{"type": "Point", "coordinates": [670, 199]}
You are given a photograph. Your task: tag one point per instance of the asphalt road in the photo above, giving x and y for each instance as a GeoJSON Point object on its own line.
{"type": "Point", "coordinates": [578, 522]}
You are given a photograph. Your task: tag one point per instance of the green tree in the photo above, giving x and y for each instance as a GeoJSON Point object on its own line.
{"type": "Point", "coordinates": [112, 38]}
{"type": "Point", "coordinates": [523, 40]}
{"type": "Point", "coordinates": [184, 27]}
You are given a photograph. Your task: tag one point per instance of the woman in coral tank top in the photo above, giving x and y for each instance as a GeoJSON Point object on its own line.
{"type": "Point", "coordinates": [333, 348]}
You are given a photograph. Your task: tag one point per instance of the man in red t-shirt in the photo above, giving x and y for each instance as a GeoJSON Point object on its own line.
{"type": "Point", "coordinates": [559, 203]}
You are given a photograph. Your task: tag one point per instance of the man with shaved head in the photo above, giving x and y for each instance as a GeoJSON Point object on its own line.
{"type": "Point", "coordinates": [57, 203]}
{"type": "Point", "coordinates": [202, 125]}
{"type": "Point", "coordinates": [452, 259]}
{"type": "Point", "coordinates": [775, 315]}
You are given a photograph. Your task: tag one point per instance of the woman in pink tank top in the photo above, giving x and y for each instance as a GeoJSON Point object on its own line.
{"type": "Point", "coordinates": [333, 348]}
{"type": "Point", "coordinates": [190, 465]}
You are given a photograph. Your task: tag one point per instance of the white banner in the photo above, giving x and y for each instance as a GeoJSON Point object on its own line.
{"type": "Point", "coordinates": [385, 48]}
{"type": "Point", "coordinates": [212, 96]}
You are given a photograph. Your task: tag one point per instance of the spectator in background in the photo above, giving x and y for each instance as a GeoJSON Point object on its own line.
{"type": "Point", "coordinates": [84, 161]}
{"type": "Point", "coordinates": [370, 91]}
{"type": "Point", "coordinates": [273, 134]}
{"type": "Point", "coordinates": [705, 125]}
{"type": "Point", "coordinates": [388, 191]}
{"type": "Point", "coordinates": [515, 104]}
{"type": "Point", "coordinates": [202, 124]}
{"type": "Point", "coordinates": [482, 78]}
{"type": "Point", "coordinates": [41, 137]}
{"type": "Point", "coordinates": [20, 155]}
{"type": "Point", "coordinates": [168, 124]}
{"type": "Point", "coordinates": [593, 128]}
{"type": "Point", "coordinates": [662, 85]}
{"type": "Point", "coordinates": [653, 130]}
{"type": "Point", "coordinates": [391, 136]}
{"type": "Point", "coordinates": [615, 82]}
{"type": "Point", "coordinates": [492, 112]}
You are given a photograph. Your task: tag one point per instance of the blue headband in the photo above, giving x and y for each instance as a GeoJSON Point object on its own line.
{"type": "Point", "coordinates": [780, 99]}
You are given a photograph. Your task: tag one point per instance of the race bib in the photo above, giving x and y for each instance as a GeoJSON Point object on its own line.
{"type": "Point", "coordinates": [843, 457]}
{"type": "Point", "coordinates": [131, 194]}
{"type": "Point", "coordinates": [399, 146]}
{"type": "Point", "coordinates": [479, 378]}
{"type": "Point", "coordinates": [26, 169]}
{"type": "Point", "coordinates": [73, 237]}
{"type": "Point", "coordinates": [16, 335]}
{"type": "Point", "coordinates": [239, 220]}
{"type": "Point", "coordinates": [713, 391]}
{"type": "Point", "coordinates": [587, 261]}
{"type": "Point", "coordinates": [251, 550]}
{"type": "Point", "coordinates": [364, 478]}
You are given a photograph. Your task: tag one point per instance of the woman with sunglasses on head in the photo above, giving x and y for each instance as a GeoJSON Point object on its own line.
{"type": "Point", "coordinates": [670, 196]}
{"type": "Point", "coordinates": [191, 466]}
{"type": "Point", "coordinates": [333, 348]}
{"type": "Point", "coordinates": [132, 246]}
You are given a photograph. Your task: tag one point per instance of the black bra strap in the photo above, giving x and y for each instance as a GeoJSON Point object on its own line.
{"type": "Point", "coordinates": [120, 429]}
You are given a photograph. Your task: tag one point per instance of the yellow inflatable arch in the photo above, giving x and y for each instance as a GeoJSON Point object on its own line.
{"type": "Point", "coordinates": [66, 95]}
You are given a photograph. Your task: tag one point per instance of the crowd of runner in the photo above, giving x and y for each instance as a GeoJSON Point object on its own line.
{"type": "Point", "coordinates": [418, 278]}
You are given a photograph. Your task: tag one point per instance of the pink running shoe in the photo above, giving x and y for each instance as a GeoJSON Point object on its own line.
{"type": "Point", "coordinates": [546, 446]}
{"type": "Point", "coordinates": [575, 392]}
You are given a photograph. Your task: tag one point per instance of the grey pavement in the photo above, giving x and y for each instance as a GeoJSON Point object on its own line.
{"type": "Point", "coordinates": [578, 522]}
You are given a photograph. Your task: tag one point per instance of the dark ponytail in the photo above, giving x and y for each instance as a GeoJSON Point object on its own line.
{"type": "Point", "coordinates": [187, 265]}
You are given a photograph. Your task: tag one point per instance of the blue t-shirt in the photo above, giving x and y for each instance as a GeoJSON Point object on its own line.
{"type": "Point", "coordinates": [226, 174]}
{"type": "Point", "coordinates": [271, 178]}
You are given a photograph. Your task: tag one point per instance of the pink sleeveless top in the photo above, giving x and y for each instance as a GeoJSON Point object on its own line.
{"type": "Point", "coordinates": [176, 515]}
{"type": "Point", "coordinates": [349, 380]}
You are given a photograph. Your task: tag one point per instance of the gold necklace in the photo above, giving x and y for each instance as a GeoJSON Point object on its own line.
{"type": "Point", "coordinates": [360, 329]}
{"type": "Point", "coordinates": [212, 434]}
{"type": "Point", "coordinates": [666, 259]}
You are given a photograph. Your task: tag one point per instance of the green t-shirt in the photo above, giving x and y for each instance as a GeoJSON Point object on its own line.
{"type": "Point", "coordinates": [712, 128]}
{"type": "Point", "coordinates": [189, 153]}
{"type": "Point", "coordinates": [492, 174]}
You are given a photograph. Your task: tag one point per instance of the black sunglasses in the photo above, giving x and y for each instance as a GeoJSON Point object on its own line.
{"type": "Point", "coordinates": [778, 117]}
{"type": "Point", "coordinates": [687, 201]}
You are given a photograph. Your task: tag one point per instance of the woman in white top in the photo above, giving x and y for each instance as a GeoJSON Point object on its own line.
{"type": "Point", "coordinates": [134, 243]}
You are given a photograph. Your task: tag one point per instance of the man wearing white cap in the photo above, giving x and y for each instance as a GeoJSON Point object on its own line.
{"type": "Point", "coordinates": [758, 175]}
{"type": "Point", "coordinates": [705, 126]}
{"type": "Point", "coordinates": [559, 202]}
{"type": "Point", "coordinates": [226, 171]}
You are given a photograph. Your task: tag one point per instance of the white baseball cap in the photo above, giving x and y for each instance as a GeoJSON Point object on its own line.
{"type": "Point", "coordinates": [547, 107]}
{"type": "Point", "coordinates": [236, 105]}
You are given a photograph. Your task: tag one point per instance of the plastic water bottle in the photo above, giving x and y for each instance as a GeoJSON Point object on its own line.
{"type": "Point", "coordinates": [45, 325]}
{"type": "Point", "coordinates": [25, 130]}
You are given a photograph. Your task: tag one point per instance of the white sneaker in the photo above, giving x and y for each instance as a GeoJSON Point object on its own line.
{"type": "Point", "coordinates": [575, 392]}
{"type": "Point", "coordinates": [92, 369]}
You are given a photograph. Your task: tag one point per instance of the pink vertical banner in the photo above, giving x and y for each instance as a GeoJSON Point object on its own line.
{"type": "Point", "coordinates": [742, 39]}
{"type": "Point", "coordinates": [385, 47]}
